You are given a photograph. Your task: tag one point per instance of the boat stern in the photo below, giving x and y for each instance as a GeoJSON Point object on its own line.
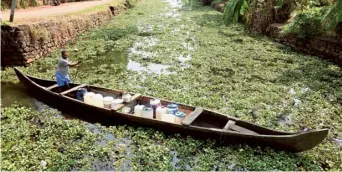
{"type": "Point", "coordinates": [19, 74]}
{"type": "Point", "coordinates": [310, 139]}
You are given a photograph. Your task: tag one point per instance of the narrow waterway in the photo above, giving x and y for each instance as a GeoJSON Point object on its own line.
{"type": "Point", "coordinates": [182, 51]}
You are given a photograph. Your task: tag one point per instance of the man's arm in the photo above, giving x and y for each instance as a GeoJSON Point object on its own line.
{"type": "Point", "coordinates": [71, 64]}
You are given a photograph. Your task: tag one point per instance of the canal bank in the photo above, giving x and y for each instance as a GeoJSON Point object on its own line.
{"type": "Point", "coordinates": [36, 37]}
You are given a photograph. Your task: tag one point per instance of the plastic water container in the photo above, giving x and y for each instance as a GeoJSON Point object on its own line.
{"type": "Point", "coordinates": [116, 102]}
{"type": "Point", "coordinates": [107, 102]}
{"type": "Point", "coordinates": [155, 103]}
{"type": "Point", "coordinates": [172, 108]}
{"type": "Point", "coordinates": [98, 100]}
{"type": "Point", "coordinates": [88, 97]}
{"type": "Point", "coordinates": [160, 111]}
{"type": "Point", "coordinates": [138, 110]}
{"type": "Point", "coordinates": [126, 97]}
{"type": "Point", "coordinates": [147, 112]}
{"type": "Point", "coordinates": [168, 118]}
{"type": "Point", "coordinates": [179, 117]}
{"type": "Point", "coordinates": [80, 93]}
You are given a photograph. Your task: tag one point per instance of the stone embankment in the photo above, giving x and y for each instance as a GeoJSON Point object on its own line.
{"type": "Point", "coordinates": [327, 47]}
{"type": "Point", "coordinates": [22, 44]}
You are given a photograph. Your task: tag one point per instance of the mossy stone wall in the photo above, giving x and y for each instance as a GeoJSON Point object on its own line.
{"type": "Point", "coordinates": [22, 44]}
{"type": "Point", "coordinates": [327, 47]}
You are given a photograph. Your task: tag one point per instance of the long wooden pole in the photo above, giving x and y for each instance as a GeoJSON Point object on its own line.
{"type": "Point", "coordinates": [12, 11]}
{"type": "Point", "coordinates": [78, 68]}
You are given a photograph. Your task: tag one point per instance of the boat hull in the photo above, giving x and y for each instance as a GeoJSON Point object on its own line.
{"type": "Point", "coordinates": [292, 142]}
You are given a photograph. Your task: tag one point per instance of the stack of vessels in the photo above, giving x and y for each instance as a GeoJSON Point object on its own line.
{"type": "Point", "coordinates": [104, 102]}
{"type": "Point", "coordinates": [154, 110]}
{"type": "Point", "coordinates": [93, 99]}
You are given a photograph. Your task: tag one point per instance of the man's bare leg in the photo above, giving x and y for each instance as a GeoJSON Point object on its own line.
{"type": "Point", "coordinates": [60, 89]}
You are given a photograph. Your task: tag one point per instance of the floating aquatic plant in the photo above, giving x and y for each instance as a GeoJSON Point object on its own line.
{"type": "Point", "coordinates": [245, 76]}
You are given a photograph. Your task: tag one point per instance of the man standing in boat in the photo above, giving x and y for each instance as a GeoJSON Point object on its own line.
{"type": "Point", "coordinates": [62, 74]}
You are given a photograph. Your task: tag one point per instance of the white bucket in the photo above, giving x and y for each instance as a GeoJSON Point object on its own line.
{"type": "Point", "coordinates": [98, 100]}
{"type": "Point", "coordinates": [160, 111]}
{"type": "Point", "coordinates": [107, 102]}
{"type": "Point", "coordinates": [116, 102]}
{"type": "Point", "coordinates": [88, 97]}
{"type": "Point", "coordinates": [168, 118]}
{"type": "Point", "coordinates": [138, 110]}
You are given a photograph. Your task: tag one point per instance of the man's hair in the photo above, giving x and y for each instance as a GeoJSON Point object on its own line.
{"type": "Point", "coordinates": [63, 52]}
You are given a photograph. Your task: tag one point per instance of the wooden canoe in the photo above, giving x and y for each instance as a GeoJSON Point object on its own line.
{"type": "Point", "coordinates": [199, 122]}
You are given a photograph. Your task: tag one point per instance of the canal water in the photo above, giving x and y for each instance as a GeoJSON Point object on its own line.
{"type": "Point", "coordinates": [113, 59]}
{"type": "Point", "coordinates": [16, 93]}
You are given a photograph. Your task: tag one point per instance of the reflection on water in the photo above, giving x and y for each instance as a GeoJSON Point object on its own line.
{"type": "Point", "coordinates": [138, 48]}
{"type": "Point", "coordinates": [338, 142]}
{"type": "Point", "coordinates": [150, 68]}
{"type": "Point", "coordinates": [105, 61]}
{"type": "Point", "coordinates": [11, 93]}
{"type": "Point", "coordinates": [145, 29]}
{"type": "Point", "coordinates": [173, 13]}
{"type": "Point", "coordinates": [17, 93]}
{"type": "Point", "coordinates": [183, 58]}
{"type": "Point", "coordinates": [120, 143]}
{"type": "Point", "coordinates": [174, 3]}
{"type": "Point", "coordinates": [113, 59]}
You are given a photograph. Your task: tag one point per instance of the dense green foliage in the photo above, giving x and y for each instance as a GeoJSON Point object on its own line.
{"type": "Point", "coordinates": [131, 3]}
{"type": "Point", "coordinates": [225, 70]}
{"type": "Point", "coordinates": [233, 10]}
{"type": "Point", "coordinates": [5, 4]}
{"type": "Point", "coordinates": [308, 20]}
{"type": "Point", "coordinates": [313, 19]}
{"type": "Point", "coordinates": [334, 16]}
{"type": "Point", "coordinates": [214, 2]}
{"type": "Point", "coordinates": [307, 23]}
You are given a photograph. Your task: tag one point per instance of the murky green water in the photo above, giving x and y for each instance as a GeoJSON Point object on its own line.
{"type": "Point", "coordinates": [12, 93]}
{"type": "Point", "coordinates": [120, 59]}
{"type": "Point", "coordinates": [16, 93]}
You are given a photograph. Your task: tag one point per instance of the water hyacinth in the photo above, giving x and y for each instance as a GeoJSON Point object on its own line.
{"type": "Point", "coordinates": [43, 164]}
{"type": "Point", "coordinates": [227, 69]}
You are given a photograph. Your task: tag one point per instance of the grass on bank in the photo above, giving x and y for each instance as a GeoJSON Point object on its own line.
{"type": "Point", "coordinates": [65, 16]}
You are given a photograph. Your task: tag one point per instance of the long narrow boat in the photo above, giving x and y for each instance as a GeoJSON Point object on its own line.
{"type": "Point", "coordinates": [199, 122]}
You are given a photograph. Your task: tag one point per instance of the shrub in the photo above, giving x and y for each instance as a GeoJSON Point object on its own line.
{"type": "Point", "coordinates": [334, 16]}
{"type": "Point", "coordinates": [40, 33]}
{"type": "Point", "coordinates": [306, 24]}
{"type": "Point", "coordinates": [214, 2]}
{"type": "Point", "coordinates": [233, 10]}
{"type": "Point", "coordinates": [131, 3]}
{"type": "Point", "coordinates": [5, 4]}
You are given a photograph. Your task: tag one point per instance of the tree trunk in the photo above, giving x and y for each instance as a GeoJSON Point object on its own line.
{"type": "Point", "coordinates": [338, 29]}
{"type": "Point", "coordinates": [262, 15]}
{"type": "Point", "coordinates": [206, 2]}
{"type": "Point", "coordinates": [283, 13]}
